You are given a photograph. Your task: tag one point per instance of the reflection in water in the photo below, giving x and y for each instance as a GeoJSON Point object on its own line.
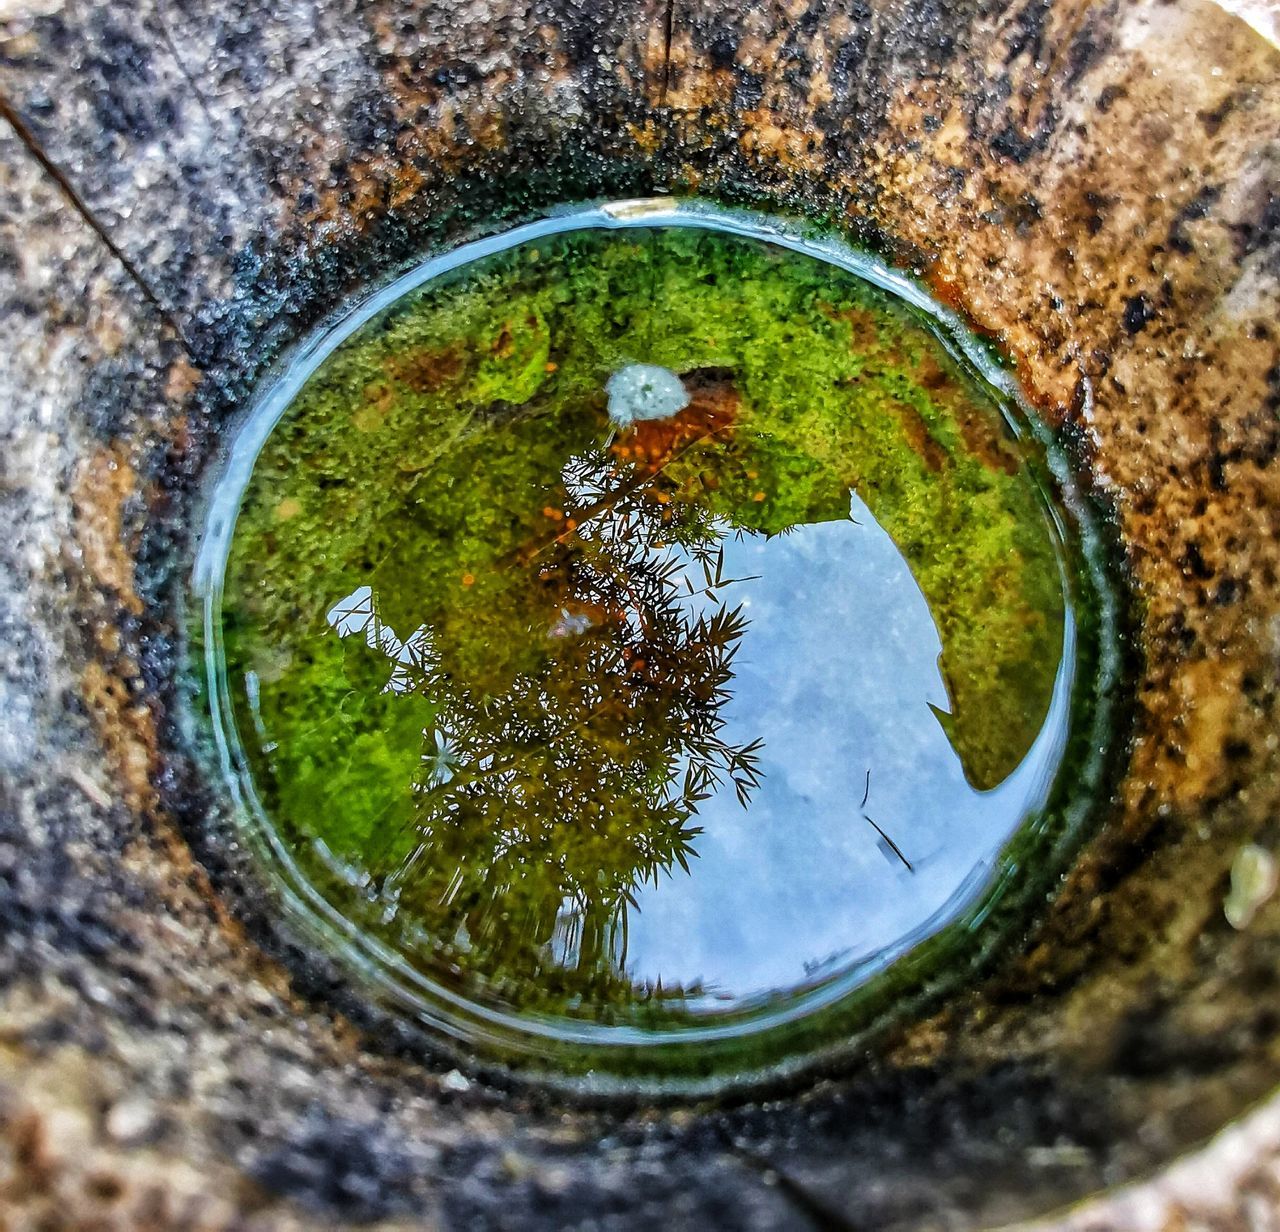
{"type": "Point", "coordinates": [837, 678]}
{"type": "Point", "coordinates": [570, 705]}
{"type": "Point", "coordinates": [692, 671]}
{"type": "Point", "coordinates": [544, 810]}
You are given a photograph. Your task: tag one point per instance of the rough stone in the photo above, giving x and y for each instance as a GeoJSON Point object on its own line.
{"type": "Point", "coordinates": [1092, 184]}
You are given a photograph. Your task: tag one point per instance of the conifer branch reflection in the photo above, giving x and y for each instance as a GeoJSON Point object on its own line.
{"type": "Point", "coordinates": [543, 809]}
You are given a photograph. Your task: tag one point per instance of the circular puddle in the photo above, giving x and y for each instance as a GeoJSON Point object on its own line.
{"type": "Point", "coordinates": [653, 643]}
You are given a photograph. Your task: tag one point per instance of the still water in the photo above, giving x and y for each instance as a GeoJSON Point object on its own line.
{"type": "Point", "coordinates": [630, 628]}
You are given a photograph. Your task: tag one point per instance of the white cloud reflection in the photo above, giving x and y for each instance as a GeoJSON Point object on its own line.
{"type": "Point", "coordinates": [836, 673]}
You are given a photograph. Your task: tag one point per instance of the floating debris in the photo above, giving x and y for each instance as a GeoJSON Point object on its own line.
{"type": "Point", "coordinates": [570, 624]}
{"type": "Point", "coordinates": [897, 851]}
{"type": "Point", "coordinates": [644, 391]}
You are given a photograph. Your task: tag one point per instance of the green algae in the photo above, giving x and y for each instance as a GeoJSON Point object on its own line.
{"type": "Point", "coordinates": [430, 461]}
{"type": "Point", "coordinates": [838, 391]}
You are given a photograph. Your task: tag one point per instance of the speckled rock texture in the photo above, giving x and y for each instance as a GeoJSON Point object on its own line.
{"type": "Point", "coordinates": [184, 189]}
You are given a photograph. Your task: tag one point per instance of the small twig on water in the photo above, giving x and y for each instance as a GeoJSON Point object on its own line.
{"type": "Point", "coordinates": [897, 851]}
{"type": "Point", "coordinates": [866, 791]}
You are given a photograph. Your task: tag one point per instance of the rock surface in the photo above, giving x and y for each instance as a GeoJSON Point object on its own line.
{"type": "Point", "coordinates": [186, 189]}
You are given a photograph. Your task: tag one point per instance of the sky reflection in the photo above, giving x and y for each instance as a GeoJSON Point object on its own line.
{"type": "Point", "coordinates": [837, 672]}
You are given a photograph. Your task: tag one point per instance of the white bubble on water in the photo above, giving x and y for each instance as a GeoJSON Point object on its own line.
{"type": "Point", "coordinates": [644, 391]}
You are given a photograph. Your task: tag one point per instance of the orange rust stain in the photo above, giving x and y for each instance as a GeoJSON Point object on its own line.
{"type": "Point", "coordinates": [922, 1043]}
{"type": "Point", "coordinates": [983, 440]}
{"type": "Point", "coordinates": [981, 431]}
{"type": "Point", "coordinates": [406, 183]}
{"type": "Point", "coordinates": [427, 369]}
{"type": "Point", "coordinates": [864, 335]}
{"type": "Point", "coordinates": [948, 292]}
{"type": "Point", "coordinates": [647, 137]}
{"type": "Point", "coordinates": [178, 430]}
{"type": "Point", "coordinates": [127, 732]}
{"type": "Point", "coordinates": [795, 148]}
{"type": "Point", "coordinates": [1209, 693]}
{"type": "Point", "coordinates": [653, 51]}
{"type": "Point", "coordinates": [1051, 396]}
{"type": "Point", "coordinates": [711, 413]}
{"type": "Point", "coordinates": [504, 344]}
{"type": "Point", "coordinates": [182, 381]}
{"type": "Point", "coordinates": [104, 484]}
{"type": "Point", "coordinates": [107, 637]}
{"type": "Point", "coordinates": [111, 689]}
{"type": "Point", "coordinates": [703, 94]}
{"type": "Point", "coordinates": [981, 434]}
{"type": "Point", "coordinates": [919, 437]}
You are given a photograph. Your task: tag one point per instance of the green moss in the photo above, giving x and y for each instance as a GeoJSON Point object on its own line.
{"type": "Point", "coordinates": [427, 459]}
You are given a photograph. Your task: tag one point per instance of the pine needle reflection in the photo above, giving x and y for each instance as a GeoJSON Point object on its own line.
{"type": "Point", "coordinates": [544, 807]}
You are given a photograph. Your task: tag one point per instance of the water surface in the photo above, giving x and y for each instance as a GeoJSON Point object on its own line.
{"type": "Point", "coordinates": [618, 725]}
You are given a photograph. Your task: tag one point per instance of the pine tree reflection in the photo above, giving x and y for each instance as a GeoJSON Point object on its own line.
{"type": "Point", "coordinates": [542, 810]}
